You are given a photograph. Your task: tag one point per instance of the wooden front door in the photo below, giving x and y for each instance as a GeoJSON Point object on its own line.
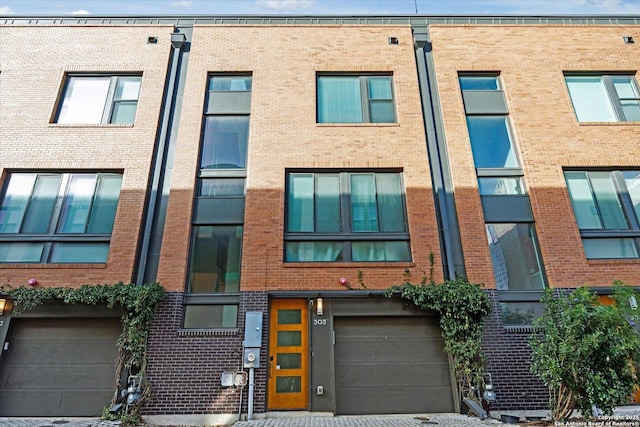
{"type": "Point", "coordinates": [288, 367]}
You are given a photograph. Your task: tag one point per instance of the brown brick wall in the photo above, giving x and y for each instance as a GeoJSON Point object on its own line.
{"type": "Point", "coordinates": [531, 61]}
{"type": "Point", "coordinates": [33, 65]}
{"type": "Point", "coordinates": [284, 134]}
{"type": "Point", "coordinates": [184, 366]}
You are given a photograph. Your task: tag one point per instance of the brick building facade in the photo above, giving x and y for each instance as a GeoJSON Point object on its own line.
{"type": "Point", "coordinates": [287, 171]}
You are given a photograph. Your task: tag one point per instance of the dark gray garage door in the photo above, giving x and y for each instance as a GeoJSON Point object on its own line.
{"type": "Point", "coordinates": [59, 367]}
{"type": "Point", "coordinates": [391, 365]}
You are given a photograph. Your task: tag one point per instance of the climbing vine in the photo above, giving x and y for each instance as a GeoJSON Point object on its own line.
{"type": "Point", "coordinates": [138, 304]}
{"type": "Point", "coordinates": [462, 307]}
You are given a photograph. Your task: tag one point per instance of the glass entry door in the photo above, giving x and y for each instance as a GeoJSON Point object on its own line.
{"type": "Point", "coordinates": [288, 367]}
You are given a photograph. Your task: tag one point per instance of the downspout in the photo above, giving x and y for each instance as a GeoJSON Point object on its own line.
{"type": "Point", "coordinates": [162, 163]}
{"type": "Point", "coordinates": [446, 217]}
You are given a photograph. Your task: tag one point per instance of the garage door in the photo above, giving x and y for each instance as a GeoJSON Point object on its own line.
{"type": "Point", "coordinates": [59, 367]}
{"type": "Point", "coordinates": [391, 365]}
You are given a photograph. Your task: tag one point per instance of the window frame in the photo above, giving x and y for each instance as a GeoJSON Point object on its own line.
{"type": "Point", "coordinates": [626, 207]}
{"type": "Point", "coordinates": [54, 236]}
{"type": "Point", "coordinates": [109, 103]}
{"type": "Point", "coordinates": [221, 201]}
{"type": "Point", "coordinates": [507, 172]}
{"type": "Point", "coordinates": [365, 100]}
{"type": "Point", "coordinates": [347, 236]}
{"type": "Point", "coordinates": [615, 102]}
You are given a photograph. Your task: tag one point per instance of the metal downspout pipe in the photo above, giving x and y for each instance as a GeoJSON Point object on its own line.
{"type": "Point", "coordinates": [449, 231]}
{"type": "Point", "coordinates": [162, 166]}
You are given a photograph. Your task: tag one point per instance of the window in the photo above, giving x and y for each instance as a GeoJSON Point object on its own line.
{"type": "Point", "coordinates": [226, 123]}
{"type": "Point", "coordinates": [604, 98]}
{"type": "Point", "coordinates": [518, 271]}
{"type": "Point", "coordinates": [99, 99]}
{"type": "Point", "coordinates": [213, 281]}
{"type": "Point", "coordinates": [515, 257]}
{"type": "Point", "coordinates": [494, 154]}
{"type": "Point", "coordinates": [346, 216]}
{"type": "Point", "coordinates": [215, 259]}
{"type": "Point", "coordinates": [355, 99]}
{"type": "Point", "coordinates": [606, 205]}
{"type": "Point", "coordinates": [58, 217]}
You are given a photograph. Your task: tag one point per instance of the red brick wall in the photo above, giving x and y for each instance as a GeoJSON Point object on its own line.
{"type": "Point", "coordinates": [284, 61]}
{"type": "Point", "coordinates": [32, 69]}
{"type": "Point", "coordinates": [531, 60]}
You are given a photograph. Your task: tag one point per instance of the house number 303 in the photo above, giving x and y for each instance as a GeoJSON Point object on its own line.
{"type": "Point", "coordinates": [319, 322]}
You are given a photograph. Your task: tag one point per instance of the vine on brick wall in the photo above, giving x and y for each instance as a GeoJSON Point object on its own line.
{"type": "Point", "coordinates": [138, 304]}
{"type": "Point", "coordinates": [463, 307]}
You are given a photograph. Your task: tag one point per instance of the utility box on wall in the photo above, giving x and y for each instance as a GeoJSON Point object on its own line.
{"type": "Point", "coordinates": [253, 329]}
{"type": "Point", "coordinates": [252, 339]}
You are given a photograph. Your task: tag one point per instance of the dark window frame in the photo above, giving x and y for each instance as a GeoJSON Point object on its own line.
{"type": "Point", "coordinates": [626, 205]}
{"type": "Point", "coordinates": [511, 172]}
{"type": "Point", "coordinates": [54, 235]}
{"type": "Point", "coordinates": [216, 300]}
{"type": "Point", "coordinates": [110, 101]}
{"type": "Point", "coordinates": [346, 235]}
{"type": "Point", "coordinates": [612, 94]}
{"type": "Point", "coordinates": [365, 100]}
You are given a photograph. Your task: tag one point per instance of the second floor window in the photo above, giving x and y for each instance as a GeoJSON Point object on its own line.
{"type": "Point", "coordinates": [604, 98]}
{"type": "Point", "coordinates": [606, 205]}
{"type": "Point", "coordinates": [58, 217]}
{"type": "Point", "coordinates": [99, 100]}
{"type": "Point", "coordinates": [355, 99]}
{"type": "Point", "coordinates": [346, 216]}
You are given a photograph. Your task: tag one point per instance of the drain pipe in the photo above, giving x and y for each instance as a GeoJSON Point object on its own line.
{"type": "Point", "coordinates": [446, 217]}
{"type": "Point", "coordinates": [162, 166]}
{"type": "Point", "coordinates": [252, 384]}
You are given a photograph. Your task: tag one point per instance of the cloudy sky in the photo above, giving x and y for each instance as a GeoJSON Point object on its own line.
{"type": "Point", "coordinates": [316, 7]}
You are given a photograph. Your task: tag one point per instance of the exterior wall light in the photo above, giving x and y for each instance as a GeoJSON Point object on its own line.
{"type": "Point", "coordinates": [343, 280]}
{"type": "Point", "coordinates": [393, 40]}
{"type": "Point", "coordinates": [628, 39]}
{"type": "Point", "coordinates": [32, 282]}
{"type": "Point", "coordinates": [152, 40]}
{"type": "Point", "coordinates": [319, 307]}
{"type": "Point", "coordinates": [3, 303]}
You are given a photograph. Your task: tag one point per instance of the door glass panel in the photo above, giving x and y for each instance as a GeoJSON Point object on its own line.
{"type": "Point", "coordinates": [289, 317]}
{"type": "Point", "coordinates": [289, 360]}
{"type": "Point", "coordinates": [289, 338]}
{"type": "Point", "coordinates": [288, 385]}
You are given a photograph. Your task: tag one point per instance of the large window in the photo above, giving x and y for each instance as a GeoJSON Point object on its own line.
{"type": "Point", "coordinates": [346, 216]}
{"type": "Point", "coordinates": [213, 282]}
{"type": "Point", "coordinates": [58, 217]}
{"type": "Point", "coordinates": [604, 98]}
{"type": "Point", "coordinates": [99, 99]}
{"type": "Point", "coordinates": [355, 99]}
{"type": "Point", "coordinates": [494, 154]}
{"type": "Point", "coordinates": [606, 205]}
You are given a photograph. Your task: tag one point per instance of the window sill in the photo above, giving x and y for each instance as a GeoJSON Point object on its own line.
{"type": "Point", "coordinates": [341, 265]}
{"type": "Point", "coordinates": [89, 125]}
{"type": "Point", "coordinates": [221, 332]}
{"type": "Point", "coordinates": [53, 266]}
{"type": "Point", "coordinates": [357, 125]}
{"type": "Point", "coordinates": [609, 261]}
{"type": "Point", "coordinates": [609, 123]}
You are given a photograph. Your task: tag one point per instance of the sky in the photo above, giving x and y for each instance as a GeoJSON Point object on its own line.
{"type": "Point", "coordinates": [319, 7]}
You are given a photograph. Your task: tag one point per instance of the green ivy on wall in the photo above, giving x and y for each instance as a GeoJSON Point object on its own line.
{"type": "Point", "coordinates": [138, 304]}
{"type": "Point", "coordinates": [462, 307]}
